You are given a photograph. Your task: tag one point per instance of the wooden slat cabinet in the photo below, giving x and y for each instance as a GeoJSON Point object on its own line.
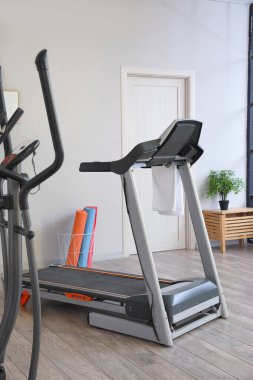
{"type": "Point", "coordinates": [230, 224]}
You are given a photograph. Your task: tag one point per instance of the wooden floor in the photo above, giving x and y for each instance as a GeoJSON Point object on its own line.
{"type": "Point", "coordinates": [70, 349]}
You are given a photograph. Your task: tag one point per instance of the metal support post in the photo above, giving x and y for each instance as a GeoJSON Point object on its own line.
{"type": "Point", "coordinates": [14, 270]}
{"type": "Point", "coordinates": [36, 296]}
{"type": "Point", "coordinates": [203, 242]}
{"type": "Point", "coordinates": [160, 318]}
{"type": "Point", "coordinates": [4, 240]}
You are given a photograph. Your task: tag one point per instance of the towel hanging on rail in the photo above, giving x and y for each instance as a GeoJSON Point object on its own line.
{"type": "Point", "coordinates": [167, 190]}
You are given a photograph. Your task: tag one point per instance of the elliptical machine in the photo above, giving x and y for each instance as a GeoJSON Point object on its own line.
{"type": "Point", "coordinates": [5, 139]}
{"type": "Point", "coordinates": [19, 223]}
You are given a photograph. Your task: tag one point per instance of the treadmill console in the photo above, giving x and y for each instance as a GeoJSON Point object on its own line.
{"type": "Point", "coordinates": [20, 153]}
{"type": "Point", "coordinates": [178, 142]}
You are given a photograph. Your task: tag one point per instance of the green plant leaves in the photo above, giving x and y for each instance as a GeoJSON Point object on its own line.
{"type": "Point", "coordinates": [222, 183]}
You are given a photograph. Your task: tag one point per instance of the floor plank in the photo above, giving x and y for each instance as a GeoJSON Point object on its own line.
{"type": "Point", "coordinates": [68, 359]}
{"type": "Point", "coordinates": [222, 349]}
{"type": "Point", "coordinates": [229, 345]}
{"type": "Point", "coordinates": [225, 360]}
{"type": "Point", "coordinates": [19, 351]}
{"type": "Point", "coordinates": [105, 349]}
{"type": "Point", "coordinates": [12, 370]}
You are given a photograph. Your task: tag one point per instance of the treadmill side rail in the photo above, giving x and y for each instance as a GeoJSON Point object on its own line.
{"type": "Point", "coordinates": [124, 326]}
{"type": "Point", "coordinates": [195, 324]}
{"type": "Point", "coordinates": [197, 310]}
{"type": "Point", "coordinates": [111, 307]}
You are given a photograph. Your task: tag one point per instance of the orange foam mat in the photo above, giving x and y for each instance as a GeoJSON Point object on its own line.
{"type": "Point", "coordinates": [76, 238]}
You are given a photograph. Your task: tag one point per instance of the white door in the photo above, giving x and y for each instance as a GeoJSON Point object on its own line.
{"type": "Point", "coordinates": [150, 104]}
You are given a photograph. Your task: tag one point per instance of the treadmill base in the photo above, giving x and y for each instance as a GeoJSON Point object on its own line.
{"type": "Point", "coordinates": [122, 326]}
{"type": "Point", "coordinates": [143, 331]}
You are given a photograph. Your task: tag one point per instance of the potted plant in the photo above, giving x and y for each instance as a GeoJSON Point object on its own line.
{"type": "Point", "coordinates": [222, 183]}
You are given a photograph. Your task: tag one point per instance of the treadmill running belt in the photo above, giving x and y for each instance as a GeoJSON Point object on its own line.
{"type": "Point", "coordinates": [96, 284]}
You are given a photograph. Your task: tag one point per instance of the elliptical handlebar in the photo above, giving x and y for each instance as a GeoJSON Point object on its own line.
{"type": "Point", "coordinates": [11, 124]}
{"type": "Point", "coordinates": [6, 173]}
{"type": "Point", "coordinates": [42, 67]}
{"type": "Point", "coordinates": [2, 117]}
{"type": "Point", "coordinates": [7, 142]}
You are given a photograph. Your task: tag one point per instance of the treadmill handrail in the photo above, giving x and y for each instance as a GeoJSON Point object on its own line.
{"type": "Point", "coordinates": [42, 67]}
{"type": "Point", "coordinates": [147, 153]}
{"type": "Point", "coordinates": [124, 164]}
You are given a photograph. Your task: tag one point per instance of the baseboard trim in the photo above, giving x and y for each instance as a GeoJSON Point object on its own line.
{"type": "Point", "coordinates": [108, 256]}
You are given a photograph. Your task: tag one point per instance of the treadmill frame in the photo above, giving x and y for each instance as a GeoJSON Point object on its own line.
{"type": "Point", "coordinates": [160, 331]}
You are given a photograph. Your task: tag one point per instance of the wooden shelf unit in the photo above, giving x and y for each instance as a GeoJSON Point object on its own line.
{"type": "Point", "coordinates": [233, 224]}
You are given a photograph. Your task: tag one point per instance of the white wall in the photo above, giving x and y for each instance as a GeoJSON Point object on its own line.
{"type": "Point", "coordinates": [88, 42]}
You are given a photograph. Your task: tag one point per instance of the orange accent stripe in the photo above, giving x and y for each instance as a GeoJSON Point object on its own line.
{"type": "Point", "coordinates": [79, 297]}
{"type": "Point", "coordinates": [125, 275]}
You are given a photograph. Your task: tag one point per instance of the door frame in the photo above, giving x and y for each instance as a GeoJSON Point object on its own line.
{"type": "Point", "coordinates": [190, 82]}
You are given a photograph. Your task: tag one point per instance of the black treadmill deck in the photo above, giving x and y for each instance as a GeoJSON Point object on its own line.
{"type": "Point", "coordinates": [91, 282]}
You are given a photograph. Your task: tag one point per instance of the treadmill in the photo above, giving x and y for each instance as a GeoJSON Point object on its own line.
{"type": "Point", "coordinates": [144, 306]}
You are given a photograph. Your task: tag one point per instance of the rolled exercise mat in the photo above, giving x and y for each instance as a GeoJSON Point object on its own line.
{"type": "Point", "coordinates": [91, 250]}
{"type": "Point", "coordinates": [88, 238]}
{"type": "Point", "coordinates": [76, 238]}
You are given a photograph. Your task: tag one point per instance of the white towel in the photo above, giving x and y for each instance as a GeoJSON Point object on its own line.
{"type": "Point", "coordinates": [167, 190]}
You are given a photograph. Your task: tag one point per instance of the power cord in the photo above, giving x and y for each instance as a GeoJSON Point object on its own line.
{"type": "Point", "coordinates": [34, 169]}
